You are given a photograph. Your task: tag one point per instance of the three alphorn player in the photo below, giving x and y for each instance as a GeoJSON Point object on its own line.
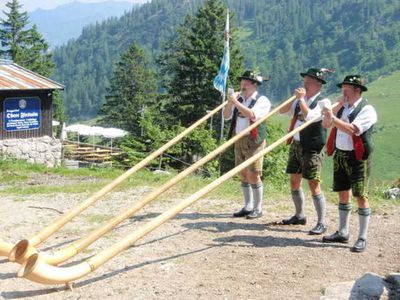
{"type": "Point", "coordinates": [350, 139]}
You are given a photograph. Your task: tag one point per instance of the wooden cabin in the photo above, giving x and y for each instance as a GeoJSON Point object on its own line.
{"type": "Point", "coordinates": [26, 103]}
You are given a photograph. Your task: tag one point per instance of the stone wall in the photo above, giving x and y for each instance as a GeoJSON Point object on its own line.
{"type": "Point", "coordinates": [44, 150]}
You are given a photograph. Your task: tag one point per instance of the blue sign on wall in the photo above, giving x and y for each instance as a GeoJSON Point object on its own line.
{"type": "Point", "coordinates": [21, 113]}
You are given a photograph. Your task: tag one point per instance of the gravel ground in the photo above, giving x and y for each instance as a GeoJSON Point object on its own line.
{"type": "Point", "coordinates": [201, 254]}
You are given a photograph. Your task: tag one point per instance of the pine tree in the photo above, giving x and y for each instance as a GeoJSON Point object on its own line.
{"type": "Point", "coordinates": [25, 46]}
{"type": "Point", "coordinates": [36, 56]}
{"type": "Point", "coordinates": [131, 89]}
{"type": "Point", "coordinates": [13, 35]}
{"type": "Point", "coordinates": [191, 62]}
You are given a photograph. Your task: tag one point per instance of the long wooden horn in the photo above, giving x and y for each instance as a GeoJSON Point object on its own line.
{"type": "Point", "coordinates": [38, 271]}
{"type": "Point", "coordinates": [46, 232]}
{"type": "Point", "coordinates": [5, 248]}
{"type": "Point", "coordinates": [22, 251]}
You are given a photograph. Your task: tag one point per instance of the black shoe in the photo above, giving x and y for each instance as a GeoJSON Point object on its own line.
{"type": "Point", "coordinates": [242, 213]}
{"type": "Point", "coordinates": [359, 246]}
{"type": "Point", "coordinates": [318, 229]}
{"type": "Point", "coordinates": [254, 214]}
{"type": "Point", "coordinates": [336, 238]}
{"type": "Point", "coordinates": [295, 221]}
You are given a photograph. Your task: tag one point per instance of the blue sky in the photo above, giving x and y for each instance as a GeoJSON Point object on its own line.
{"type": "Point", "coordinates": [30, 5]}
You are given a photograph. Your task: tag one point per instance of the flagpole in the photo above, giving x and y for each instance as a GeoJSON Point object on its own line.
{"type": "Point", "coordinates": [221, 136]}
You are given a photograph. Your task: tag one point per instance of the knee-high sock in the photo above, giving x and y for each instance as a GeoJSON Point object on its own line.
{"type": "Point", "coordinates": [258, 195]}
{"type": "Point", "coordinates": [248, 196]}
{"type": "Point", "coordinates": [320, 207]}
{"type": "Point", "coordinates": [298, 200]}
{"type": "Point", "coordinates": [344, 218]}
{"type": "Point", "coordinates": [364, 215]}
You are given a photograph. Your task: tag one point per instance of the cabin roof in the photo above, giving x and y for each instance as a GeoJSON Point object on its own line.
{"type": "Point", "coordinates": [15, 77]}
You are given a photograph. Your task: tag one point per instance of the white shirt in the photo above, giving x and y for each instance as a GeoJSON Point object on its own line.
{"type": "Point", "coordinates": [364, 120]}
{"type": "Point", "coordinates": [316, 111]}
{"type": "Point", "coordinates": [260, 109]}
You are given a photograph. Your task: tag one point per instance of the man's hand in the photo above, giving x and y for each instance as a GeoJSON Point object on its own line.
{"type": "Point", "coordinates": [300, 93]}
{"type": "Point", "coordinates": [234, 98]}
{"type": "Point", "coordinates": [328, 114]}
{"type": "Point", "coordinates": [328, 117]}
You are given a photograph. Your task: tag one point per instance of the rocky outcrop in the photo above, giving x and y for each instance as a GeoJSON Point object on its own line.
{"type": "Point", "coordinates": [370, 286]}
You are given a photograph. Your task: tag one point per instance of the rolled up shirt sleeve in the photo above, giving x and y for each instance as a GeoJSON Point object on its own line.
{"type": "Point", "coordinates": [365, 119]}
{"type": "Point", "coordinates": [261, 108]}
{"type": "Point", "coordinates": [230, 116]}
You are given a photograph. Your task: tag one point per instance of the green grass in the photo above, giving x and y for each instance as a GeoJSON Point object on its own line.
{"type": "Point", "coordinates": [45, 189]}
{"type": "Point", "coordinates": [98, 218]}
{"type": "Point", "coordinates": [384, 94]}
{"type": "Point", "coordinates": [229, 190]}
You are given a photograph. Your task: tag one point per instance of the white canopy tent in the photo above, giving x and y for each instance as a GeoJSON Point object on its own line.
{"type": "Point", "coordinates": [113, 133]}
{"type": "Point", "coordinates": [86, 130]}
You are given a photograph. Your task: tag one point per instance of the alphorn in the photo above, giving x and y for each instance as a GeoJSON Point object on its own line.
{"type": "Point", "coordinates": [39, 271]}
{"type": "Point", "coordinates": [46, 232]}
{"type": "Point", "coordinates": [23, 251]}
{"type": "Point", "coordinates": [5, 248]}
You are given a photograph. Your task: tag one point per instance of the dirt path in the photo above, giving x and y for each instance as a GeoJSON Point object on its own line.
{"type": "Point", "coordinates": [201, 254]}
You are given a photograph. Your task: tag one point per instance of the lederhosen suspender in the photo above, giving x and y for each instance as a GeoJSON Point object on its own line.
{"type": "Point", "coordinates": [358, 143]}
{"type": "Point", "coordinates": [295, 117]}
{"type": "Point", "coordinates": [236, 114]}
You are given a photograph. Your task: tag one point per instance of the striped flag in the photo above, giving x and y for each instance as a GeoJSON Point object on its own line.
{"type": "Point", "coordinates": [221, 78]}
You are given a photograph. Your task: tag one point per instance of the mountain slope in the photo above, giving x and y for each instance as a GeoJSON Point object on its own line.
{"type": "Point", "coordinates": [384, 94]}
{"type": "Point", "coordinates": [282, 38]}
{"type": "Point", "coordinates": [66, 21]}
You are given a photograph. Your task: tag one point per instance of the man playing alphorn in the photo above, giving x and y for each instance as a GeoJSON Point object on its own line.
{"type": "Point", "coordinates": [305, 149]}
{"type": "Point", "coordinates": [244, 109]}
{"type": "Point", "coordinates": [352, 123]}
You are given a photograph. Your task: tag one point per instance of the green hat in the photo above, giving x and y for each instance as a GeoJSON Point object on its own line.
{"type": "Point", "coordinates": [355, 80]}
{"type": "Point", "coordinates": [252, 76]}
{"type": "Point", "coordinates": [315, 73]}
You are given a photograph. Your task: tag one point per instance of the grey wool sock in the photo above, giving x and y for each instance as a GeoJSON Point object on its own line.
{"type": "Point", "coordinates": [320, 207]}
{"type": "Point", "coordinates": [258, 195]}
{"type": "Point", "coordinates": [364, 214]}
{"type": "Point", "coordinates": [344, 218]}
{"type": "Point", "coordinates": [248, 196]}
{"type": "Point", "coordinates": [298, 200]}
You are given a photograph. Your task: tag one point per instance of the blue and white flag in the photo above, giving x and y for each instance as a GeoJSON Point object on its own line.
{"type": "Point", "coordinates": [222, 77]}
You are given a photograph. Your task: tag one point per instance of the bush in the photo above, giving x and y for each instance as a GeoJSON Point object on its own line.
{"type": "Point", "coordinates": [197, 144]}
{"type": "Point", "coordinates": [274, 163]}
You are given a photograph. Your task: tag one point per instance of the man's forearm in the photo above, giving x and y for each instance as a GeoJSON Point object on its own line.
{"type": "Point", "coordinates": [304, 108]}
{"type": "Point", "coordinates": [348, 128]}
{"type": "Point", "coordinates": [248, 113]}
{"type": "Point", "coordinates": [228, 110]}
{"type": "Point", "coordinates": [285, 108]}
